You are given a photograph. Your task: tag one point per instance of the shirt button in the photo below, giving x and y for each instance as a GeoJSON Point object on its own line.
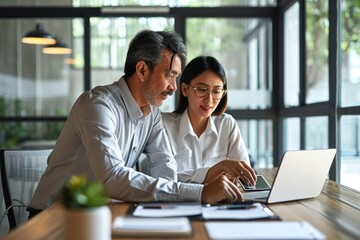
{"type": "Point", "coordinates": [134, 149]}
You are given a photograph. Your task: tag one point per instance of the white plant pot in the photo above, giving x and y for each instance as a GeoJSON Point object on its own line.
{"type": "Point", "coordinates": [88, 224]}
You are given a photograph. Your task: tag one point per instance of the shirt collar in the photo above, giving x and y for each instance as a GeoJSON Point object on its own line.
{"type": "Point", "coordinates": [186, 128]}
{"type": "Point", "coordinates": [211, 127]}
{"type": "Point", "coordinates": [185, 125]}
{"type": "Point", "coordinates": [129, 101]}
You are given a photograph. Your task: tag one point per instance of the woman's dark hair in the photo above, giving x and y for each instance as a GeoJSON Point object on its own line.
{"type": "Point", "coordinates": [148, 45]}
{"type": "Point", "coordinates": [193, 69]}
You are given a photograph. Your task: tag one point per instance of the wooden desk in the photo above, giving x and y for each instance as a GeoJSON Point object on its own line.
{"type": "Point", "coordinates": [336, 213]}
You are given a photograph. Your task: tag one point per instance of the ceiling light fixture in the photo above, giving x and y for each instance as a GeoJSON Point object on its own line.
{"type": "Point", "coordinates": [58, 48]}
{"type": "Point", "coordinates": [38, 36]}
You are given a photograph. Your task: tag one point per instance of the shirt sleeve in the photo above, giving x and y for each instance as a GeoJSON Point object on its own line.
{"type": "Point", "coordinates": [195, 176]}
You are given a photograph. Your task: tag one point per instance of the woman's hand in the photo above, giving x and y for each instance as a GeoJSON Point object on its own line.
{"type": "Point", "coordinates": [233, 169]}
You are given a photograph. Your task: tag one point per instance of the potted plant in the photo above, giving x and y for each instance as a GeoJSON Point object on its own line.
{"type": "Point", "coordinates": [87, 215]}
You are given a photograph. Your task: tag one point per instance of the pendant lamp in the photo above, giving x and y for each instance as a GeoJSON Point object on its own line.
{"type": "Point", "coordinates": [38, 36]}
{"type": "Point", "coordinates": [58, 48]}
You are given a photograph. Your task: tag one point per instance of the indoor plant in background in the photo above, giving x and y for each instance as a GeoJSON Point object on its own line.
{"type": "Point", "coordinates": [87, 216]}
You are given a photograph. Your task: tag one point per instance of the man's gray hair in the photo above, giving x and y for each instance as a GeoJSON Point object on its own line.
{"type": "Point", "coordinates": [148, 45]}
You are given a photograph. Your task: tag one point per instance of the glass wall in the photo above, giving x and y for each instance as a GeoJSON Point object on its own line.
{"type": "Point", "coordinates": [35, 84]}
{"type": "Point", "coordinates": [326, 106]}
{"type": "Point", "coordinates": [350, 93]}
{"type": "Point", "coordinates": [350, 151]}
{"type": "Point", "coordinates": [350, 53]}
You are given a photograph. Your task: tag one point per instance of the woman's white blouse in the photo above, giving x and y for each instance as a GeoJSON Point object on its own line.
{"type": "Point", "coordinates": [221, 140]}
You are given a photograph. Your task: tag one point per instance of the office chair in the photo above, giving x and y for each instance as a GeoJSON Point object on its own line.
{"type": "Point", "coordinates": [21, 170]}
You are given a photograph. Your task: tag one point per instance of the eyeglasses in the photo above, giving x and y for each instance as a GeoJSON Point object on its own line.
{"type": "Point", "coordinates": [201, 92]}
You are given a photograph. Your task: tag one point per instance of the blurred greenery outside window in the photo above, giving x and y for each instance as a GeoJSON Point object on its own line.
{"type": "Point", "coordinates": [350, 53]}
{"type": "Point", "coordinates": [317, 51]}
{"type": "Point", "coordinates": [350, 93]}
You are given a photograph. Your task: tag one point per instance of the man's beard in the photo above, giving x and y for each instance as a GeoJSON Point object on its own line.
{"type": "Point", "coordinates": [151, 93]}
{"type": "Point", "coordinates": [150, 96]}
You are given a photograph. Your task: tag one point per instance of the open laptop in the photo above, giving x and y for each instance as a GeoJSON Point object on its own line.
{"type": "Point", "coordinates": [301, 175]}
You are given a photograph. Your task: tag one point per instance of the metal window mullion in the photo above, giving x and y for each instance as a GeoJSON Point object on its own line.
{"type": "Point", "coordinates": [334, 85]}
{"type": "Point", "coordinates": [302, 69]}
{"type": "Point", "coordinates": [87, 56]}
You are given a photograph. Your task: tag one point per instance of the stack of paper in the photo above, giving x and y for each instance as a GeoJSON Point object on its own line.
{"type": "Point", "coordinates": [238, 212]}
{"type": "Point", "coordinates": [138, 226]}
{"type": "Point", "coordinates": [167, 210]}
{"type": "Point", "coordinates": [262, 230]}
{"type": "Point", "coordinates": [241, 211]}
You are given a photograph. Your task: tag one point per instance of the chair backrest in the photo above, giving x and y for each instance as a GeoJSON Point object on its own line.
{"type": "Point", "coordinates": [21, 170]}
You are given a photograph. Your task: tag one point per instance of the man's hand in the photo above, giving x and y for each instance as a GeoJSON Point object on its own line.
{"type": "Point", "coordinates": [221, 189]}
{"type": "Point", "coordinates": [234, 169]}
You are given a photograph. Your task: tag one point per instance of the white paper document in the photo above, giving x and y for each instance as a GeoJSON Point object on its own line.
{"type": "Point", "coordinates": [138, 226]}
{"type": "Point", "coordinates": [167, 210]}
{"type": "Point", "coordinates": [238, 212]}
{"type": "Point", "coordinates": [262, 230]}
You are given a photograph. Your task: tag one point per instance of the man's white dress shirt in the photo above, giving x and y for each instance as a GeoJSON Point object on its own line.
{"type": "Point", "coordinates": [103, 137]}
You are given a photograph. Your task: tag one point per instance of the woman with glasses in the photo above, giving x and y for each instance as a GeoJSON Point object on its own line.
{"type": "Point", "coordinates": [206, 142]}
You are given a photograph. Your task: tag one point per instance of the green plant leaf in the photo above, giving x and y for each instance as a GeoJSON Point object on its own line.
{"type": "Point", "coordinates": [81, 193]}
